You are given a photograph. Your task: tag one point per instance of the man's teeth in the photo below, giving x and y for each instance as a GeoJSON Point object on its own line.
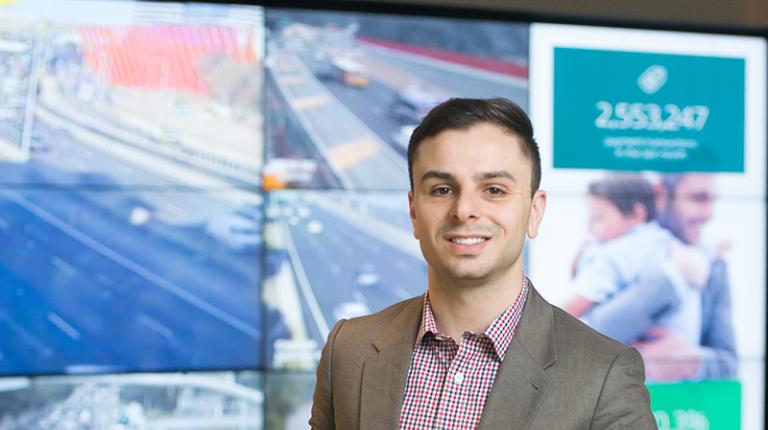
{"type": "Point", "coordinates": [468, 240]}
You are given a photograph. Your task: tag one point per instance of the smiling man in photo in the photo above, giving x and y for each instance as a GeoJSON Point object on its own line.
{"type": "Point", "coordinates": [481, 349]}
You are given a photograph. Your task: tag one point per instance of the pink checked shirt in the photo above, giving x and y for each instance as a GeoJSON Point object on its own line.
{"type": "Point", "coordinates": [448, 383]}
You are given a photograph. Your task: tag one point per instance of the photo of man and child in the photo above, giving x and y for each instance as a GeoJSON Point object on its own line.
{"type": "Point", "coordinates": [644, 276]}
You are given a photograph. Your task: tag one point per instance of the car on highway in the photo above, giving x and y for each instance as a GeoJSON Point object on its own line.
{"type": "Point", "coordinates": [38, 143]}
{"type": "Point", "coordinates": [10, 113]}
{"type": "Point", "coordinates": [351, 73]}
{"type": "Point", "coordinates": [237, 232]}
{"type": "Point", "coordinates": [315, 227]}
{"type": "Point", "coordinates": [413, 102]}
{"type": "Point", "coordinates": [402, 136]}
{"type": "Point", "coordinates": [367, 276]}
{"type": "Point", "coordinates": [320, 64]}
{"type": "Point", "coordinates": [348, 310]}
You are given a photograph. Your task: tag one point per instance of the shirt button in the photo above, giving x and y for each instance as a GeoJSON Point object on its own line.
{"type": "Point", "coordinates": [458, 378]}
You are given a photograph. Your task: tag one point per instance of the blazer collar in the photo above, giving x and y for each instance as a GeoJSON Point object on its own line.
{"type": "Point", "coordinates": [522, 381]}
{"type": "Point", "coordinates": [384, 375]}
{"type": "Point", "coordinates": [520, 384]}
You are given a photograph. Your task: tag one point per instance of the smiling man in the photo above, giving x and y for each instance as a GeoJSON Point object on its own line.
{"type": "Point", "coordinates": [481, 349]}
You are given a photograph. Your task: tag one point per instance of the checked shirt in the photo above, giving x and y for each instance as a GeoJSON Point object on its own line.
{"type": "Point", "coordinates": [448, 383]}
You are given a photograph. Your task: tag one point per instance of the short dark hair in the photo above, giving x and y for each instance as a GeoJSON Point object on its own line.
{"type": "Point", "coordinates": [626, 191]}
{"type": "Point", "coordinates": [461, 114]}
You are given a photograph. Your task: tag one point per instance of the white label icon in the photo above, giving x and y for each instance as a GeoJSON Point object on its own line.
{"type": "Point", "coordinates": [652, 79]}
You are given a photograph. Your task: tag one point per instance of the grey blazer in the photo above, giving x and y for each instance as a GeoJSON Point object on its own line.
{"type": "Point", "coordinates": [558, 374]}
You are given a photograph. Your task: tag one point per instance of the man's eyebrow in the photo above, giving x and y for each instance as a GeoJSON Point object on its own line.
{"type": "Point", "coordinates": [484, 176]}
{"type": "Point", "coordinates": [436, 174]}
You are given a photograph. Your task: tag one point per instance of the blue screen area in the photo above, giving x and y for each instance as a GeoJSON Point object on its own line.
{"type": "Point", "coordinates": [130, 204]}
{"type": "Point", "coordinates": [97, 281]}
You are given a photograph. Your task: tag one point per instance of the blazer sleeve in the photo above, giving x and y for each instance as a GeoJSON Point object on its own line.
{"type": "Point", "coordinates": [322, 401]}
{"type": "Point", "coordinates": [624, 402]}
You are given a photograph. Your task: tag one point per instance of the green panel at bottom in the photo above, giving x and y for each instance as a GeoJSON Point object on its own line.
{"type": "Point", "coordinates": [697, 405]}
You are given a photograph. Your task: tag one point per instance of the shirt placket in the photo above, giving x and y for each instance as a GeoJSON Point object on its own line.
{"type": "Point", "coordinates": [457, 370]}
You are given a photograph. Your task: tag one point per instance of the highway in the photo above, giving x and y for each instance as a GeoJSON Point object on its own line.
{"type": "Point", "coordinates": [111, 261]}
{"type": "Point", "coordinates": [91, 291]}
{"type": "Point", "coordinates": [455, 80]}
{"type": "Point", "coordinates": [371, 261]}
{"type": "Point", "coordinates": [357, 129]}
{"type": "Point", "coordinates": [356, 155]}
{"type": "Point", "coordinates": [205, 400]}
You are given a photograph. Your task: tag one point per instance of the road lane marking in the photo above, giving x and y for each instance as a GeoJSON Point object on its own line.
{"type": "Point", "coordinates": [134, 267]}
{"type": "Point", "coordinates": [64, 326]}
{"type": "Point", "coordinates": [304, 285]}
{"type": "Point", "coordinates": [359, 297]}
{"type": "Point", "coordinates": [157, 327]}
{"type": "Point", "coordinates": [297, 79]}
{"type": "Point", "coordinates": [350, 154]}
{"type": "Point", "coordinates": [311, 102]}
{"type": "Point", "coordinates": [401, 293]}
{"type": "Point", "coordinates": [63, 266]}
{"type": "Point", "coordinates": [24, 335]}
{"type": "Point", "coordinates": [103, 279]}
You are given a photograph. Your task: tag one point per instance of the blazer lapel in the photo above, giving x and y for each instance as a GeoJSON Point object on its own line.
{"type": "Point", "coordinates": [385, 374]}
{"type": "Point", "coordinates": [522, 381]}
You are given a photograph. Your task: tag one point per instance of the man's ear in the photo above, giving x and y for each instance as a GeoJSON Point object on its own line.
{"type": "Point", "coordinates": [538, 204]}
{"type": "Point", "coordinates": [640, 213]}
{"type": "Point", "coordinates": [412, 213]}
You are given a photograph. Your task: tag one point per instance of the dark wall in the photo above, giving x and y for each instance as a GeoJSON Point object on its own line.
{"type": "Point", "coordinates": [730, 13]}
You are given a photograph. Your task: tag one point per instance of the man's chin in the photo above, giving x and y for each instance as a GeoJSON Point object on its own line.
{"type": "Point", "coordinates": [693, 237]}
{"type": "Point", "coordinates": [468, 274]}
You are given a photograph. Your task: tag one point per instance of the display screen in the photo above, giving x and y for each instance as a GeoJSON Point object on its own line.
{"type": "Point", "coordinates": [130, 203]}
{"type": "Point", "coordinates": [139, 401]}
{"type": "Point", "coordinates": [208, 188]}
{"type": "Point", "coordinates": [346, 90]}
{"type": "Point", "coordinates": [656, 221]}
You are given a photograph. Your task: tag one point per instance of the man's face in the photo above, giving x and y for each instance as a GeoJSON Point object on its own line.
{"type": "Point", "coordinates": [471, 203]}
{"type": "Point", "coordinates": [690, 207]}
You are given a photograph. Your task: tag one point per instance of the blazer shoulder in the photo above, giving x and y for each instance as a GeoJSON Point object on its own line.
{"type": "Point", "coordinates": [577, 338]}
{"type": "Point", "coordinates": [551, 332]}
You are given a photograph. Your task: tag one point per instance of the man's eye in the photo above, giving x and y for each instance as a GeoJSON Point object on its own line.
{"type": "Point", "coordinates": [496, 191]}
{"type": "Point", "coordinates": [441, 191]}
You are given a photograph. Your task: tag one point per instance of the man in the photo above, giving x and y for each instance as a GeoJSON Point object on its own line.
{"type": "Point", "coordinates": [482, 349]}
{"type": "Point", "coordinates": [684, 207]}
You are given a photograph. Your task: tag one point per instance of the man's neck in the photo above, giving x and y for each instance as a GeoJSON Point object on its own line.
{"type": "Point", "coordinates": [459, 307]}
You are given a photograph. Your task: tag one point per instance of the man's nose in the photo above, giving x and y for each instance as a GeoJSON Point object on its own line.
{"type": "Point", "coordinates": [467, 206]}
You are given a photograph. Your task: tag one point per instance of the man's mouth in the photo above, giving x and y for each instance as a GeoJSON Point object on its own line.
{"type": "Point", "coordinates": [468, 240]}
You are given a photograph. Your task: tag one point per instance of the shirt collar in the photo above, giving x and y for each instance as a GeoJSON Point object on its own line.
{"type": "Point", "coordinates": [499, 332]}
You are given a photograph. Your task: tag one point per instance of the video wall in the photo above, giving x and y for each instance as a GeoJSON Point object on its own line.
{"type": "Point", "coordinates": [192, 194]}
